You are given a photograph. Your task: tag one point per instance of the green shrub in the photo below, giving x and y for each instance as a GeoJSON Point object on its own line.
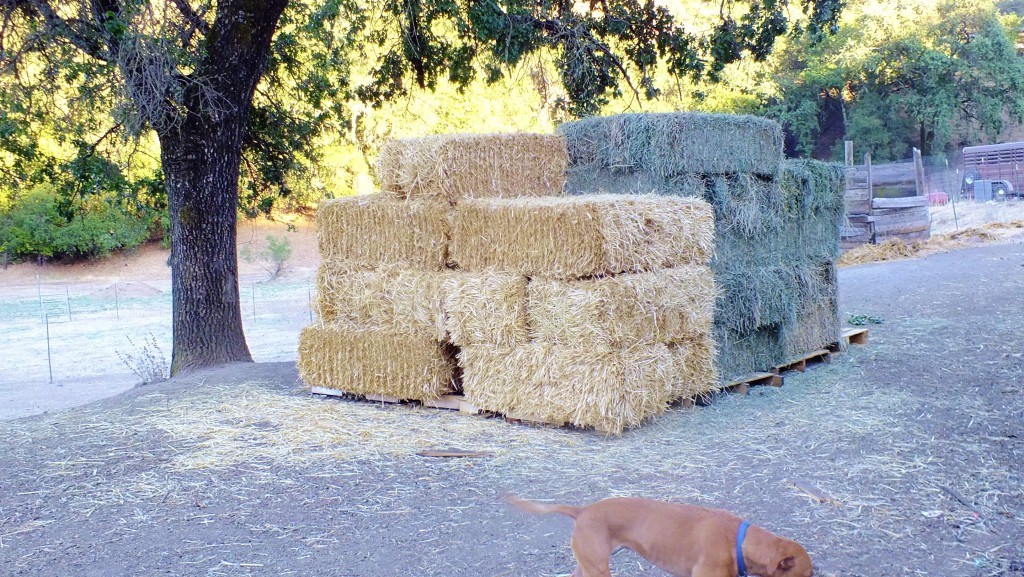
{"type": "Point", "coordinates": [273, 258]}
{"type": "Point", "coordinates": [42, 223]}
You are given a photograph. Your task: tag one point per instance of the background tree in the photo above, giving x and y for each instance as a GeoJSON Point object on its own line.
{"type": "Point", "coordinates": [923, 74]}
{"type": "Point", "coordinates": [211, 80]}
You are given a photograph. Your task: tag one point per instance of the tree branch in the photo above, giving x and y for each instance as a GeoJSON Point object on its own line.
{"type": "Point", "coordinates": [191, 16]}
{"type": "Point", "coordinates": [57, 26]}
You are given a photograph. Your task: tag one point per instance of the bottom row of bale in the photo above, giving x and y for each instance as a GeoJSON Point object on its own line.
{"type": "Point", "coordinates": [604, 388]}
{"type": "Point", "coordinates": [605, 353]}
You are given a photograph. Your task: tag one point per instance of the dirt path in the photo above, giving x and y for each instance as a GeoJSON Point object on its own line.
{"type": "Point", "coordinates": [916, 438]}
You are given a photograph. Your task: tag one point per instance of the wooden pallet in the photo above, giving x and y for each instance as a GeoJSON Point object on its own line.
{"type": "Point", "coordinates": [739, 386]}
{"type": "Point", "coordinates": [855, 336]}
{"type": "Point", "coordinates": [800, 363]}
{"type": "Point", "coordinates": [451, 402]}
{"type": "Point", "coordinates": [850, 336]}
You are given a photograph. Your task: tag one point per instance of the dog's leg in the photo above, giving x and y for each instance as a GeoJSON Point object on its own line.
{"type": "Point", "coordinates": [592, 549]}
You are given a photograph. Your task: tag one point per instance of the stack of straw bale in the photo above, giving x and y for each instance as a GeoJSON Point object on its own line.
{"type": "Point", "coordinates": [472, 271]}
{"type": "Point", "coordinates": [608, 306]}
{"type": "Point", "coordinates": [776, 221]}
{"type": "Point", "coordinates": [381, 328]}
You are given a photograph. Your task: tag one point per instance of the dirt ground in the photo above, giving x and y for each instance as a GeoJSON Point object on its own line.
{"type": "Point", "coordinates": [900, 457]}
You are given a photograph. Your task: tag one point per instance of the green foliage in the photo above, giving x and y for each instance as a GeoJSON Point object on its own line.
{"type": "Point", "coordinates": [902, 74]}
{"type": "Point", "coordinates": [273, 258]}
{"type": "Point", "coordinates": [44, 224]}
{"type": "Point", "coordinates": [861, 320]}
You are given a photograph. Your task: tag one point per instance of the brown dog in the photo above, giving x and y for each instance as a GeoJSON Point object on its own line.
{"type": "Point", "coordinates": [684, 540]}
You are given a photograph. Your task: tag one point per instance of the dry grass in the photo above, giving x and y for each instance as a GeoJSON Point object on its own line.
{"type": "Point", "coordinates": [895, 249]}
{"type": "Point", "coordinates": [365, 362]}
{"type": "Point", "coordinates": [452, 167]}
{"type": "Point", "coordinates": [581, 236]}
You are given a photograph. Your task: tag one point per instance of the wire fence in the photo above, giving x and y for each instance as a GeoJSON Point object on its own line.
{"type": "Point", "coordinates": [71, 335]}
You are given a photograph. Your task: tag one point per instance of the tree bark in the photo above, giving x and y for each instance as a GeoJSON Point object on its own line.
{"type": "Point", "coordinates": [201, 154]}
{"type": "Point", "coordinates": [202, 188]}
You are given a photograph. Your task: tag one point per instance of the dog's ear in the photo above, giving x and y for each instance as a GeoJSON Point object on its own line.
{"type": "Point", "coordinates": [786, 564]}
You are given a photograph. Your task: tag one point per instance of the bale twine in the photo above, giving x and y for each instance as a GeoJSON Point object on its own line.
{"type": "Point", "coordinates": [664, 306]}
{"type": "Point", "coordinates": [451, 167]}
{"type": "Point", "coordinates": [581, 236]}
{"type": "Point", "coordinates": [375, 362]}
{"type": "Point", "coordinates": [366, 232]}
{"type": "Point", "coordinates": [403, 302]}
{"type": "Point", "coordinates": [669, 144]}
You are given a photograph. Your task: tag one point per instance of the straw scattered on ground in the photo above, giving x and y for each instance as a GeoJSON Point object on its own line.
{"type": "Point", "coordinates": [895, 249]}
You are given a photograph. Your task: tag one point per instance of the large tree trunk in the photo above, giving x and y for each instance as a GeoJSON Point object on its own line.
{"type": "Point", "coordinates": [202, 190]}
{"type": "Point", "coordinates": [201, 154]}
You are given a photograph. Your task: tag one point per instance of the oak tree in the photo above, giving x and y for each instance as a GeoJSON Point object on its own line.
{"type": "Point", "coordinates": [235, 91]}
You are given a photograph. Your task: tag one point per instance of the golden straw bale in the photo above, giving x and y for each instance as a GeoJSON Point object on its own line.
{"type": "Point", "coordinates": [695, 366]}
{"type": "Point", "coordinates": [365, 232]}
{"type": "Point", "coordinates": [401, 301]}
{"type": "Point", "coordinates": [608, 389]}
{"type": "Point", "coordinates": [574, 237]}
{"type": "Point", "coordinates": [486, 308]}
{"type": "Point", "coordinates": [374, 362]}
{"type": "Point", "coordinates": [456, 166]}
{"type": "Point", "coordinates": [663, 306]}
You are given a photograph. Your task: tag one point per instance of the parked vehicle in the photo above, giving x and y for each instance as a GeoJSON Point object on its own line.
{"type": "Point", "coordinates": [996, 169]}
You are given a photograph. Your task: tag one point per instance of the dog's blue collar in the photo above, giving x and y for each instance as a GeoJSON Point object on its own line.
{"type": "Point", "coordinates": [740, 536]}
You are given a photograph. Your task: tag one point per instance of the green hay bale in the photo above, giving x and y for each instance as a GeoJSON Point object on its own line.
{"type": "Point", "coordinates": [817, 324]}
{"type": "Point", "coordinates": [751, 298]}
{"type": "Point", "coordinates": [670, 144]}
{"type": "Point", "coordinates": [747, 206]}
{"type": "Point", "coordinates": [814, 210]}
{"type": "Point", "coordinates": [740, 354]}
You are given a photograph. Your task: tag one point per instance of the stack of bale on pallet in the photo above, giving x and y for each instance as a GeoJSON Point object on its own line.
{"type": "Point", "coordinates": [616, 312]}
{"type": "Point", "coordinates": [776, 222]}
{"type": "Point", "coordinates": [593, 310]}
{"type": "Point", "coordinates": [385, 270]}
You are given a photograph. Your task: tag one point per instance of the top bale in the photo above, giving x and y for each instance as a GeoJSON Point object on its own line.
{"type": "Point", "coordinates": [457, 166]}
{"type": "Point", "coordinates": [670, 144]}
